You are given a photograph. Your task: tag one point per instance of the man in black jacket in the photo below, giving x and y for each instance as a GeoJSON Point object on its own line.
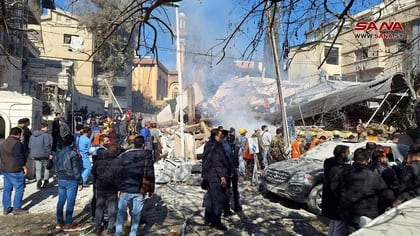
{"type": "Point", "coordinates": [361, 191]}
{"type": "Point", "coordinates": [410, 178]}
{"type": "Point", "coordinates": [135, 168]}
{"type": "Point", "coordinates": [105, 187]}
{"type": "Point", "coordinates": [215, 172]}
{"type": "Point", "coordinates": [333, 170]}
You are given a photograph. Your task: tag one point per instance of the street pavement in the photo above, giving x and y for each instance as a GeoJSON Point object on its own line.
{"type": "Point", "coordinates": [174, 210]}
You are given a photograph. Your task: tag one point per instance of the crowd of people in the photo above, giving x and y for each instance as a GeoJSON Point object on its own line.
{"type": "Point", "coordinates": [119, 166]}
{"type": "Point", "coordinates": [117, 159]}
{"type": "Point", "coordinates": [353, 194]}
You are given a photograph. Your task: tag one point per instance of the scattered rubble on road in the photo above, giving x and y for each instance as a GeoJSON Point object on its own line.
{"type": "Point", "coordinates": [176, 207]}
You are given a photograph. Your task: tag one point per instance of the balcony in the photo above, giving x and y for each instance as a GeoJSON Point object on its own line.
{"type": "Point", "coordinates": [362, 65]}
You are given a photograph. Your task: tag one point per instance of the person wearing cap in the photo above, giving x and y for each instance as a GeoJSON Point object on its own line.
{"type": "Point", "coordinates": [410, 177]}
{"type": "Point", "coordinates": [242, 145]}
{"type": "Point", "coordinates": [298, 147]}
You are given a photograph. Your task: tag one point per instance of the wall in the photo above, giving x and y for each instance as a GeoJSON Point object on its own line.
{"type": "Point", "coordinates": [54, 27]}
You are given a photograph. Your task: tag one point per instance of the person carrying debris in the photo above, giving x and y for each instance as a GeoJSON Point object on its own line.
{"type": "Point", "coordinates": [214, 173]}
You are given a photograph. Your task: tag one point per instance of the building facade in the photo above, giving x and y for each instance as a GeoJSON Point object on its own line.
{"type": "Point", "coordinates": [63, 38]}
{"type": "Point", "coordinates": [361, 55]}
{"type": "Point", "coordinates": [149, 77]}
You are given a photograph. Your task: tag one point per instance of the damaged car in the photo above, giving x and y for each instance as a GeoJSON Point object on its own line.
{"type": "Point", "coordinates": [300, 180]}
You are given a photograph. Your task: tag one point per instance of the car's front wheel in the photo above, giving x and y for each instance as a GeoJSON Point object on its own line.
{"type": "Point", "coordinates": [314, 199]}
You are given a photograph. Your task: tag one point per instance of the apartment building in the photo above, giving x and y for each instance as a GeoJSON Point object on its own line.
{"type": "Point", "coordinates": [361, 55]}
{"type": "Point", "coordinates": [64, 38]}
{"type": "Point", "coordinates": [388, 47]}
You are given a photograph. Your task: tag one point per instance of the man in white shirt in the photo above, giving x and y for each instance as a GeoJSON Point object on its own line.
{"type": "Point", "coordinates": [266, 143]}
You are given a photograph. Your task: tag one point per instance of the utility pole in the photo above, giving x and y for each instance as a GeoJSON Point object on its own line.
{"type": "Point", "coordinates": [270, 14]}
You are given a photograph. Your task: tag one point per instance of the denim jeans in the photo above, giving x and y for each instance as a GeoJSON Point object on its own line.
{"type": "Point", "coordinates": [16, 181]}
{"type": "Point", "coordinates": [87, 167]}
{"type": "Point", "coordinates": [67, 191]}
{"type": "Point", "coordinates": [105, 199]}
{"type": "Point", "coordinates": [39, 163]}
{"type": "Point", "coordinates": [137, 199]}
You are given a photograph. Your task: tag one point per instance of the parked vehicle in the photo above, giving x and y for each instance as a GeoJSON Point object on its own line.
{"type": "Point", "coordinates": [301, 179]}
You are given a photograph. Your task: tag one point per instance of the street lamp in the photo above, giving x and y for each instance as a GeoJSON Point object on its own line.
{"type": "Point", "coordinates": [179, 69]}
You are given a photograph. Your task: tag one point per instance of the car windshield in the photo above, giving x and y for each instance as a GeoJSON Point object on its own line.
{"type": "Point", "coordinates": [321, 152]}
{"type": "Point", "coordinates": [325, 150]}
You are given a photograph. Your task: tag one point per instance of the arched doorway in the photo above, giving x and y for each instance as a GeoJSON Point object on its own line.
{"type": "Point", "coordinates": [2, 128]}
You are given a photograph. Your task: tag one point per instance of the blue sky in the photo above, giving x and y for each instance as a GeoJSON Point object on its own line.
{"type": "Point", "coordinates": [208, 21]}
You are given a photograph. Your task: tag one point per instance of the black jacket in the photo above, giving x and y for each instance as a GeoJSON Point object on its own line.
{"type": "Point", "coordinates": [333, 171]}
{"type": "Point", "coordinates": [131, 167]}
{"type": "Point", "coordinates": [360, 194]}
{"type": "Point", "coordinates": [410, 181]}
{"type": "Point", "coordinates": [215, 164]}
{"type": "Point", "coordinates": [67, 165]}
{"type": "Point", "coordinates": [105, 170]}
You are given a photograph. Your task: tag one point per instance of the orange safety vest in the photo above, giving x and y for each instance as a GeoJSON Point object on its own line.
{"type": "Point", "coordinates": [314, 142]}
{"type": "Point", "coordinates": [296, 149]}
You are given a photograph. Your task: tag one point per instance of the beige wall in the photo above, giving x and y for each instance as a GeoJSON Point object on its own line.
{"type": "Point", "coordinates": [305, 63]}
{"type": "Point", "coordinates": [54, 26]}
{"type": "Point", "coordinates": [382, 58]}
{"type": "Point", "coordinates": [151, 79]}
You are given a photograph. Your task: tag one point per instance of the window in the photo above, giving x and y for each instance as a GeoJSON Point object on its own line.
{"type": "Point", "coordinates": [67, 38]}
{"type": "Point", "coordinates": [332, 58]}
{"type": "Point", "coordinates": [58, 17]}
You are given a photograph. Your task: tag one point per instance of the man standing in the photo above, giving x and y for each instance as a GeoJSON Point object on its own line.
{"type": "Point", "coordinates": [26, 134]}
{"type": "Point", "coordinates": [333, 170]}
{"type": "Point", "coordinates": [14, 170]}
{"type": "Point", "coordinates": [241, 148]}
{"type": "Point", "coordinates": [277, 151]}
{"type": "Point", "coordinates": [157, 148]}
{"type": "Point", "coordinates": [361, 191]}
{"type": "Point", "coordinates": [215, 173]}
{"type": "Point", "coordinates": [68, 171]}
{"type": "Point", "coordinates": [40, 148]}
{"type": "Point", "coordinates": [135, 171]}
{"type": "Point", "coordinates": [105, 186]}
{"type": "Point", "coordinates": [410, 178]}
{"type": "Point", "coordinates": [266, 144]}
{"type": "Point", "coordinates": [232, 142]}
{"type": "Point", "coordinates": [83, 147]}
{"type": "Point", "coordinates": [55, 133]}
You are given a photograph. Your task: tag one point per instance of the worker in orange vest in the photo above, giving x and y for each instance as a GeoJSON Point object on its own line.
{"type": "Point", "coordinates": [298, 147]}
